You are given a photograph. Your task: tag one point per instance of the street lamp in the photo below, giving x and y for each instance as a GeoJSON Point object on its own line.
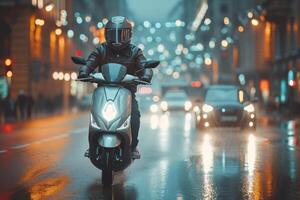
{"type": "Point", "coordinates": [224, 43]}
{"type": "Point", "coordinates": [73, 75]}
{"type": "Point", "coordinates": [254, 22]}
{"type": "Point", "coordinates": [60, 76]}
{"type": "Point", "coordinates": [58, 31]}
{"type": "Point", "coordinates": [212, 44]}
{"type": "Point", "coordinates": [70, 33]}
{"type": "Point", "coordinates": [8, 68]}
{"type": "Point", "coordinates": [250, 14]}
{"type": "Point", "coordinates": [8, 62]}
{"type": "Point", "coordinates": [67, 77]}
{"type": "Point", "coordinates": [49, 7]}
{"type": "Point", "coordinates": [39, 22]}
{"type": "Point", "coordinates": [207, 21]}
{"type": "Point", "coordinates": [241, 29]}
{"type": "Point", "coordinates": [55, 75]}
{"type": "Point", "coordinates": [9, 74]}
{"type": "Point", "coordinates": [207, 61]}
{"type": "Point", "coordinates": [226, 20]}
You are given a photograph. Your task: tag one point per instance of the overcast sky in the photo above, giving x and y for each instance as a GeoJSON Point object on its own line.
{"type": "Point", "coordinates": [154, 10]}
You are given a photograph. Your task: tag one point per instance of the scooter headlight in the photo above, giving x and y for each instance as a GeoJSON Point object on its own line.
{"type": "Point", "coordinates": [250, 108]}
{"type": "Point", "coordinates": [109, 111]}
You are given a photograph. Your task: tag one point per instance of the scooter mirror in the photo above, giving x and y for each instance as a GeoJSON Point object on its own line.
{"type": "Point", "coordinates": [152, 64]}
{"type": "Point", "coordinates": [78, 60]}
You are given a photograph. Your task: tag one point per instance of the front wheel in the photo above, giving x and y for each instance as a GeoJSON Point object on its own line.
{"type": "Point", "coordinates": [107, 172]}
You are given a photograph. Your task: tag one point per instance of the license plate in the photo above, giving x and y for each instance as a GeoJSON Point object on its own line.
{"type": "Point", "coordinates": [229, 118]}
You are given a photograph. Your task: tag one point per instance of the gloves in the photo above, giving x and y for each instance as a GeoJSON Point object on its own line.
{"type": "Point", "coordinates": [83, 72]}
{"type": "Point", "coordinates": [146, 79]}
{"type": "Point", "coordinates": [83, 75]}
{"type": "Point", "coordinates": [147, 76]}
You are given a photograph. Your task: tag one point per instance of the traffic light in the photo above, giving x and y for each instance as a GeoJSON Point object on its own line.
{"type": "Point", "coordinates": [8, 68]}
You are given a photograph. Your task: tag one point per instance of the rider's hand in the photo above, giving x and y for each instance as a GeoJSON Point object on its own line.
{"type": "Point", "coordinates": [145, 78]}
{"type": "Point", "coordinates": [83, 75]}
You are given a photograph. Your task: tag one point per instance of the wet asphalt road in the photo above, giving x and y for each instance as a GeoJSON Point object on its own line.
{"type": "Point", "coordinates": [43, 159]}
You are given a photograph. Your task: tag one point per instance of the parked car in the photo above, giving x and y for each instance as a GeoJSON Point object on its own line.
{"type": "Point", "coordinates": [226, 105]}
{"type": "Point", "coordinates": [176, 100]}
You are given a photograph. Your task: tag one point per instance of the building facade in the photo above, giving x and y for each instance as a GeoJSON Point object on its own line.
{"type": "Point", "coordinates": [36, 44]}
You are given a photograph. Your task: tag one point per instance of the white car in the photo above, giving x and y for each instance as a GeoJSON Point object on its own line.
{"type": "Point", "coordinates": [176, 100]}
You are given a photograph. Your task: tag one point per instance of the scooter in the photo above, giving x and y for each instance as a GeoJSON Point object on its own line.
{"type": "Point", "coordinates": [109, 129]}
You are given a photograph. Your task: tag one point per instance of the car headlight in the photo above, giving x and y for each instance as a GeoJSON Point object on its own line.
{"type": "Point", "coordinates": [109, 111]}
{"type": "Point", "coordinates": [164, 105]}
{"type": "Point", "coordinates": [207, 108]}
{"type": "Point", "coordinates": [94, 123]}
{"type": "Point", "coordinates": [154, 108]}
{"type": "Point", "coordinates": [250, 108]}
{"type": "Point", "coordinates": [125, 125]}
{"type": "Point", "coordinates": [187, 105]}
{"type": "Point", "coordinates": [196, 109]}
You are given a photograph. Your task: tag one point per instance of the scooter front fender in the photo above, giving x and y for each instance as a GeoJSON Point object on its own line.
{"type": "Point", "coordinates": [109, 141]}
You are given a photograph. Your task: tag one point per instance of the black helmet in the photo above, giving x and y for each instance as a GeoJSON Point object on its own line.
{"type": "Point", "coordinates": [118, 32]}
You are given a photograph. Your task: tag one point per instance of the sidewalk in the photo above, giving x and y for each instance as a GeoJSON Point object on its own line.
{"type": "Point", "coordinates": [40, 120]}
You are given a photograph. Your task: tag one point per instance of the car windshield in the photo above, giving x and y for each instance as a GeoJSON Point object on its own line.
{"type": "Point", "coordinates": [175, 96]}
{"type": "Point", "coordinates": [221, 95]}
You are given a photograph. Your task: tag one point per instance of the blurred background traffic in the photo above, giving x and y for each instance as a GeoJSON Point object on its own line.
{"type": "Point", "coordinates": [223, 63]}
{"type": "Point", "coordinates": [253, 44]}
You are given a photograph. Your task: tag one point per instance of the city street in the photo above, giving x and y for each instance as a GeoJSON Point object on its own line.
{"type": "Point", "coordinates": [43, 159]}
{"type": "Point", "coordinates": [217, 84]}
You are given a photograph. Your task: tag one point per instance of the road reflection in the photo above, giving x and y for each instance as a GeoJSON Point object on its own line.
{"type": "Point", "coordinates": [250, 161]}
{"type": "Point", "coordinates": [207, 155]}
{"type": "Point", "coordinates": [48, 187]}
{"type": "Point", "coordinates": [222, 162]}
{"type": "Point", "coordinates": [117, 192]}
{"type": "Point", "coordinates": [32, 170]}
{"type": "Point", "coordinates": [178, 162]}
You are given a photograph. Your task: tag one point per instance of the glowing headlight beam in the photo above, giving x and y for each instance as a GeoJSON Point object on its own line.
{"type": "Point", "coordinates": [250, 108]}
{"type": "Point", "coordinates": [207, 108]}
{"type": "Point", "coordinates": [109, 111]}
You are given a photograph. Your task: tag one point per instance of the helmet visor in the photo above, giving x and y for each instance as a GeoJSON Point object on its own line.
{"type": "Point", "coordinates": [117, 36]}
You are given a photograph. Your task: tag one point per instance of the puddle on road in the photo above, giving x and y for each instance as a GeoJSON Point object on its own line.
{"type": "Point", "coordinates": [47, 187]}
{"type": "Point", "coordinates": [42, 189]}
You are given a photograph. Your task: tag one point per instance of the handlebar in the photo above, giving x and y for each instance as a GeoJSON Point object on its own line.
{"type": "Point", "coordinates": [92, 79]}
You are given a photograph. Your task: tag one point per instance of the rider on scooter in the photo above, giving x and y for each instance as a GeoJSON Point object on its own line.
{"type": "Point", "coordinates": [118, 49]}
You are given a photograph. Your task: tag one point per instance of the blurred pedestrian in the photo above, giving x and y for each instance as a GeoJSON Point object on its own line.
{"type": "Point", "coordinates": [9, 109]}
{"type": "Point", "coordinates": [30, 104]}
{"type": "Point", "coordinates": [3, 96]}
{"type": "Point", "coordinates": [1, 111]}
{"type": "Point", "coordinates": [21, 104]}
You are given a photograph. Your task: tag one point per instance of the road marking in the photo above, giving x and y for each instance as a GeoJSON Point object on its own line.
{"type": "Point", "coordinates": [78, 131]}
{"type": "Point", "coordinates": [21, 146]}
{"type": "Point", "coordinates": [3, 151]}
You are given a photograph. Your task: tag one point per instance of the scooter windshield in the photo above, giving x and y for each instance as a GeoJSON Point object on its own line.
{"type": "Point", "coordinates": [113, 72]}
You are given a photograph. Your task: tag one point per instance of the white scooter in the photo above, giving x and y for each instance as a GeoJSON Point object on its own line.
{"type": "Point", "coordinates": [109, 130]}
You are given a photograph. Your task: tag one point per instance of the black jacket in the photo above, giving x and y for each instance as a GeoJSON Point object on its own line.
{"type": "Point", "coordinates": [132, 57]}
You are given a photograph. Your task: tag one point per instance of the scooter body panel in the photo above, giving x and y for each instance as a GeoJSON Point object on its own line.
{"type": "Point", "coordinates": [113, 133]}
{"type": "Point", "coordinates": [119, 98]}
